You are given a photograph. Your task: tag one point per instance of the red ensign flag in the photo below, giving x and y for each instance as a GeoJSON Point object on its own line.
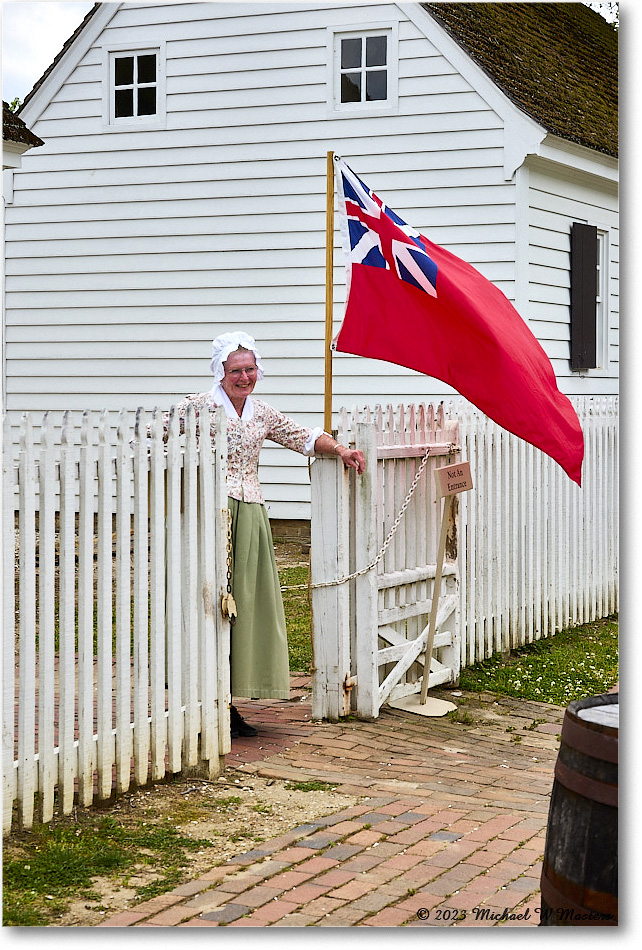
{"type": "Point", "coordinates": [414, 303]}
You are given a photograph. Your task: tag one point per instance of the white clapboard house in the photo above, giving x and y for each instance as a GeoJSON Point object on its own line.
{"type": "Point", "coordinates": [181, 192]}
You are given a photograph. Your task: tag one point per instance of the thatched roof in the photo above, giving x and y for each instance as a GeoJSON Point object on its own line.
{"type": "Point", "coordinates": [14, 129]}
{"type": "Point", "coordinates": [558, 62]}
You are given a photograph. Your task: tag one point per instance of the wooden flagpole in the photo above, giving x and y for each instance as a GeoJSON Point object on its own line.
{"type": "Point", "coordinates": [329, 288]}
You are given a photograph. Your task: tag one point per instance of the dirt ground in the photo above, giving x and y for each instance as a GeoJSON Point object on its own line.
{"type": "Point", "coordinates": [235, 813]}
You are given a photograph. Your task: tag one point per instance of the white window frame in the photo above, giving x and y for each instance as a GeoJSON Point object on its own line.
{"type": "Point", "coordinates": [379, 107]}
{"type": "Point", "coordinates": [157, 121]}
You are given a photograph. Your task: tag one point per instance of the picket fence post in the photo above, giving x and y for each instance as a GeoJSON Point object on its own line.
{"type": "Point", "coordinates": [8, 625]}
{"type": "Point", "coordinates": [189, 594]}
{"type": "Point", "coordinates": [27, 629]}
{"type": "Point", "coordinates": [328, 562]}
{"type": "Point", "coordinates": [158, 736]}
{"type": "Point", "coordinates": [67, 756]}
{"type": "Point", "coordinates": [365, 588]}
{"type": "Point", "coordinates": [222, 625]}
{"type": "Point", "coordinates": [104, 737]}
{"type": "Point", "coordinates": [173, 575]}
{"type": "Point", "coordinates": [124, 489]}
{"type": "Point", "coordinates": [207, 588]}
{"type": "Point", "coordinates": [46, 615]}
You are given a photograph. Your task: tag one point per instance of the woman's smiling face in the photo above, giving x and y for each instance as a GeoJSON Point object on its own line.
{"type": "Point", "coordinates": [240, 376]}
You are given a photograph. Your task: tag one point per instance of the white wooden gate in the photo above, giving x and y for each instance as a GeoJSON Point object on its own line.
{"type": "Point", "coordinates": [370, 631]}
{"type": "Point", "coordinates": [115, 652]}
{"type": "Point", "coordinates": [529, 552]}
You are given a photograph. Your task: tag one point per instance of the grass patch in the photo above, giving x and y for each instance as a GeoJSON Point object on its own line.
{"type": "Point", "coordinates": [311, 786]}
{"type": "Point", "coordinates": [571, 665]}
{"type": "Point", "coordinates": [459, 715]}
{"type": "Point", "coordinates": [52, 864]}
{"type": "Point", "coordinates": [298, 617]}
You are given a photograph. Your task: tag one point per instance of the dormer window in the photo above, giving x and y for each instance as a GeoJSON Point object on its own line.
{"type": "Point", "coordinates": [134, 87]}
{"type": "Point", "coordinates": [363, 70]}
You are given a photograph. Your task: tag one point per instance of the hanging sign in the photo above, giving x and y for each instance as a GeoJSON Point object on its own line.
{"type": "Point", "coordinates": [452, 479]}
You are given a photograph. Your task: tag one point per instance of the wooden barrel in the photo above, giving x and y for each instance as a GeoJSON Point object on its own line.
{"type": "Point", "coordinates": [579, 875]}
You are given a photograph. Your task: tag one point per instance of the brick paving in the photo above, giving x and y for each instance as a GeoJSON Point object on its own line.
{"type": "Point", "coordinates": [449, 829]}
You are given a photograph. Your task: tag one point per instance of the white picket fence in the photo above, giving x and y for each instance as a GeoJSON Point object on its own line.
{"type": "Point", "coordinates": [538, 554]}
{"type": "Point", "coordinates": [529, 552]}
{"type": "Point", "coordinates": [115, 652]}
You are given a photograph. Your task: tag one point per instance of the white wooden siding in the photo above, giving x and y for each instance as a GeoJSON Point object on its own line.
{"type": "Point", "coordinates": [551, 216]}
{"type": "Point", "coordinates": [129, 250]}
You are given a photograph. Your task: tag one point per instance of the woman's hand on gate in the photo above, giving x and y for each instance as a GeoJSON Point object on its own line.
{"type": "Point", "coordinates": [351, 458]}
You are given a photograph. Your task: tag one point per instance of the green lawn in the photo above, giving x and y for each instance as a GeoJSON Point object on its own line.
{"type": "Point", "coordinates": [298, 615]}
{"type": "Point", "coordinates": [573, 664]}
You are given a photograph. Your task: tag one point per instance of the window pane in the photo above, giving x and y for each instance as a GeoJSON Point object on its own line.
{"type": "Point", "coordinates": [147, 68]}
{"type": "Point", "coordinates": [124, 70]}
{"type": "Point", "coordinates": [147, 101]}
{"type": "Point", "coordinates": [376, 85]}
{"type": "Point", "coordinates": [350, 53]}
{"type": "Point", "coordinates": [351, 87]}
{"type": "Point", "coordinates": [375, 51]}
{"type": "Point", "coordinates": [123, 102]}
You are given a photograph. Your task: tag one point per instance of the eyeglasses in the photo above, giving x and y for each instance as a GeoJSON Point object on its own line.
{"type": "Point", "coordinates": [236, 373]}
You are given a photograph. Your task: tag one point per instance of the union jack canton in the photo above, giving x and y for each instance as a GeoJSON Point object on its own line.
{"type": "Point", "coordinates": [376, 236]}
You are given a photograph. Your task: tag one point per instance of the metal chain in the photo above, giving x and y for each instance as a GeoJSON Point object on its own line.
{"type": "Point", "coordinates": [384, 547]}
{"type": "Point", "coordinates": [228, 605]}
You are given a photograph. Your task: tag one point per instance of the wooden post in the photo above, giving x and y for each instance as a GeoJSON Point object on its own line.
{"type": "Point", "coordinates": [330, 606]}
{"type": "Point", "coordinates": [67, 756]}
{"type": "Point", "coordinates": [105, 739]}
{"type": "Point", "coordinates": [329, 289]}
{"type": "Point", "coordinates": [223, 694]}
{"type": "Point", "coordinates": [9, 639]}
{"type": "Point", "coordinates": [46, 650]}
{"type": "Point", "coordinates": [434, 604]}
{"type": "Point", "coordinates": [86, 616]}
{"type": "Point", "coordinates": [124, 740]}
{"type": "Point", "coordinates": [158, 735]}
{"type": "Point", "coordinates": [208, 529]}
{"type": "Point", "coordinates": [189, 596]}
{"type": "Point", "coordinates": [141, 603]}
{"type": "Point", "coordinates": [450, 480]}
{"type": "Point", "coordinates": [27, 776]}
{"type": "Point", "coordinates": [173, 608]}
{"type": "Point", "coordinates": [366, 591]}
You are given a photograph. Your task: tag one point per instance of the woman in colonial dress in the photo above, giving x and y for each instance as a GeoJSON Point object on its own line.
{"type": "Point", "coordinates": [259, 652]}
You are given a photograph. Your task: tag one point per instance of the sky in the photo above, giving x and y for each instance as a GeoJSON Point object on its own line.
{"type": "Point", "coordinates": [33, 33]}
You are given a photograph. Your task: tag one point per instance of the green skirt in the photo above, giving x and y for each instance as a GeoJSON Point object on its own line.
{"type": "Point", "coordinates": [259, 648]}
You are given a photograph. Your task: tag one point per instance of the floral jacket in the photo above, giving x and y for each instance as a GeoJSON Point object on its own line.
{"type": "Point", "coordinates": [245, 438]}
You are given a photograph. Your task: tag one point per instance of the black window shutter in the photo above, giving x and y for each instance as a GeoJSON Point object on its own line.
{"type": "Point", "coordinates": [583, 296]}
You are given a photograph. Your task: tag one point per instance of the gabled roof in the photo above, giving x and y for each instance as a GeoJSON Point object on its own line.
{"type": "Point", "coordinates": [14, 129]}
{"type": "Point", "coordinates": [558, 62]}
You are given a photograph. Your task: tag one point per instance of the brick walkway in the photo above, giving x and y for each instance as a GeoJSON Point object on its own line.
{"type": "Point", "coordinates": [450, 829]}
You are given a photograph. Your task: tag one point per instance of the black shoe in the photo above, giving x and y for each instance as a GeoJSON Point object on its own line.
{"type": "Point", "coordinates": [239, 727]}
